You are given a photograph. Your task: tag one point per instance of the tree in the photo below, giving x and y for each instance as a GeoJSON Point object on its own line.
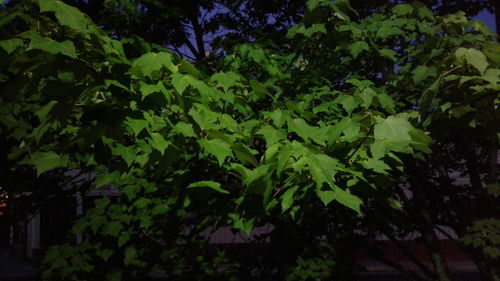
{"type": "Point", "coordinates": [271, 133]}
{"type": "Point", "coordinates": [192, 29]}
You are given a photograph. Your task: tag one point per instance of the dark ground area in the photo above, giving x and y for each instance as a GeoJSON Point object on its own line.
{"type": "Point", "coordinates": [13, 270]}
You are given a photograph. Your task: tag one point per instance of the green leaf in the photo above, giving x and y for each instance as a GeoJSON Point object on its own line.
{"type": "Point", "coordinates": [10, 45]}
{"type": "Point", "coordinates": [287, 198]}
{"type": "Point", "coordinates": [245, 154]}
{"type": "Point", "coordinates": [322, 134]}
{"type": "Point", "coordinates": [299, 149]}
{"type": "Point", "coordinates": [257, 173]}
{"type": "Point", "coordinates": [210, 93]}
{"type": "Point", "coordinates": [428, 95]}
{"type": "Point", "coordinates": [137, 125]}
{"type": "Point", "coordinates": [123, 238]}
{"type": "Point", "coordinates": [388, 53]}
{"type": "Point", "coordinates": [226, 79]}
{"type": "Point", "coordinates": [106, 178]}
{"type": "Point", "coordinates": [180, 82]}
{"type": "Point", "coordinates": [105, 254]}
{"type": "Point", "coordinates": [65, 14]}
{"type": "Point", "coordinates": [42, 112]}
{"type": "Point", "coordinates": [159, 142]}
{"type": "Point", "coordinates": [377, 149]}
{"type": "Point", "coordinates": [299, 126]}
{"type": "Point", "coordinates": [347, 199]}
{"type": "Point", "coordinates": [206, 118]}
{"type": "Point", "coordinates": [148, 89]}
{"type": "Point", "coordinates": [185, 129]}
{"type": "Point", "coordinates": [279, 117]}
{"type": "Point", "coordinates": [241, 223]}
{"type": "Point", "coordinates": [311, 4]}
{"type": "Point", "coordinates": [367, 95]}
{"type": "Point", "coordinates": [421, 72]}
{"type": "Point", "coordinates": [40, 131]}
{"type": "Point", "coordinates": [336, 130]}
{"type": "Point", "coordinates": [376, 165]}
{"type": "Point", "coordinates": [44, 161]}
{"type": "Point", "coordinates": [393, 133]}
{"type": "Point", "coordinates": [51, 46]}
{"type": "Point", "coordinates": [387, 30]}
{"type": "Point", "coordinates": [294, 30]}
{"type": "Point", "coordinates": [258, 89]}
{"type": "Point", "coordinates": [160, 209]}
{"type": "Point", "coordinates": [393, 128]}
{"type": "Point", "coordinates": [126, 152]}
{"type": "Point", "coordinates": [456, 18]}
{"type": "Point", "coordinates": [425, 13]}
{"type": "Point", "coordinates": [322, 168]}
{"type": "Point", "coordinates": [131, 191]}
{"type": "Point", "coordinates": [142, 202]}
{"type": "Point", "coordinates": [351, 129]}
{"type": "Point", "coordinates": [113, 48]}
{"type": "Point", "coordinates": [361, 84]}
{"type": "Point", "coordinates": [492, 76]}
{"type": "Point", "coordinates": [402, 9]}
{"type": "Point", "coordinates": [210, 184]}
{"type": "Point", "coordinates": [102, 203]}
{"type": "Point", "coordinates": [218, 148]}
{"type": "Point", "coordinates": [271, 135]}
{"type": "Point", "coordinates": [271, 151]}
{"type": "Point", "coordinates": [420, 140]}
{"type": "Point", "coordinates": [387, 103]}
{"type": "Point", "coordinates": [474, 57]}
{"type": "Point", "coordinates": [151, 63]}
{"type": "Point", "coordinates": [189, 68]}
{"type": "Point", "coordinates": [358, 47]}
{"type": "Point", "coordinates": [130, 256]}
{"type": "Point", "coordinates": [108, 83]}
{"type": "Point", "coordinates": [349, 103]}
{"type": "Point", "coordinates": [228, 122]}
{"type": "Point", "coordinates": [326, 196]}
{"type": "Point", "coordinates": [492, 51]}
{"type": "Point", "coordinates": [249, 176]}
{"type": "Point", "coordinates": [96, 222]}
{"type": "Point", "coordinates": [157, 123]}
{"type": "Point", "coordinates": [315, 28]}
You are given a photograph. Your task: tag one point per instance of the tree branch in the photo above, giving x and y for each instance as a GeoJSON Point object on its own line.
{"type": "Point", "coordinates": [412, 258]}
{"type": "Point", "coordinates": [398, 267]}
{"type": "Point", "coordinates": [191, 46]}
{"type": "Point", "coordinates": [198, 33]}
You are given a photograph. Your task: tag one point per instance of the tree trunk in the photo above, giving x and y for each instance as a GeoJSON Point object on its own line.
{"type": "Point", "coordinates": [198, 34]}
{"type": "Point", "coordinates": [425, 224]}
{"type": "Point", "coordinates": [432, 243]}
{"type": "Point", "coordinates": [487, 269]}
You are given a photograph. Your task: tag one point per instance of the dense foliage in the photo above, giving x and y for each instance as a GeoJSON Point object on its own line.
{"type": "Point", "coordinates": [315, 135]}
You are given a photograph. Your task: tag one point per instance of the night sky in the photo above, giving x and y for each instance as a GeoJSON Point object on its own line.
{"type": "Point", "coordinates": [487, 18]}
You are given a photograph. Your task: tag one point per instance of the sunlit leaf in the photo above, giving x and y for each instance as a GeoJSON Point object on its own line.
{"type": "Point", "coordinates": [159, 142]}
{"type": "Point", "coordinates": [66, 14]}
{"type": "Point", "coordinates": [358, 47]}
{"type": "Point", "coordinates": [474, 57]}
{"type": "Point", "coordinates": [218, 148]}
{"type": "Point", "coordinates": [402, 9]}
{"type": "Point", "coordinates": [150, 63]}
{"type": "Point", "coordinates": [11, 44]}
{"type": "Point", "coordinates": [45, 161]}
{"type": "Point", "coordinates": [287, 198]}
{"type": "Point", "coordinates": [51, 46]}
{"type": "Point", "coordinates": [210, 184]}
